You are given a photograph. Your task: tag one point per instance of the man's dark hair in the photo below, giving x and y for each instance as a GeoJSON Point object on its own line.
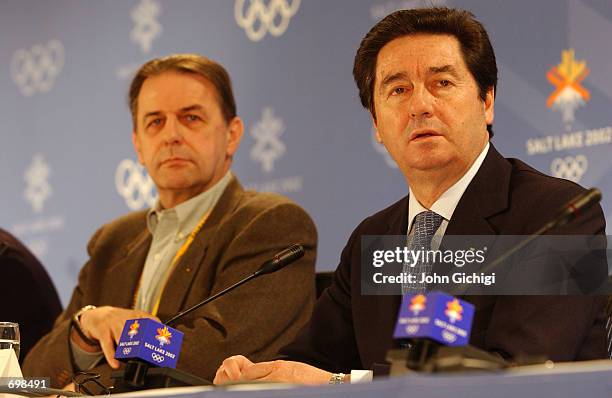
{"type": "Point", "coordinates": [190, 64]}
{"type": "Point", "coordinates": [473, 38]}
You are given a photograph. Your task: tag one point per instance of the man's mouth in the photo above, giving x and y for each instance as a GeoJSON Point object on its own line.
{"type": "Point", "coordinates": [423, 134]}
{"type": "Point", "coordinates": [174, 161]}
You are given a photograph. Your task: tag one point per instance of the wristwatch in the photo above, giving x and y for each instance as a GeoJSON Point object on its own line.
{"type": "Point", "coordinates": [76, 323]}
{"type": "Point", "coordinates": [337, 378]}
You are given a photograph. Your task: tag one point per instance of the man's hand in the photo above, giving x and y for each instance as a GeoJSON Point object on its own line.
{"type": "Point", "coordinates": [68, 387]}
{"type": "Point", "coordinates": [240, 369]}
{"type": "Point", "coordinates": [105, 325]}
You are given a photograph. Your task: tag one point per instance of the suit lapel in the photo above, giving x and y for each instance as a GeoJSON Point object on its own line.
{"type": "Point", "coordinates": [181, 279]}
{"type": "Point", "coordinates": [486, 196]}
{"type": "Point", "coordinates": [125, 273]}
{"type": "Point", "coordinates": [397, 224]}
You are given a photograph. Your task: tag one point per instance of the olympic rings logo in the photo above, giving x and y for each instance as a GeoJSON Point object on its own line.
{"type": "Point", "coordinates": [127, 350]}
{"type": "Point", "coordinates": [134, 185]}
{"type": "Point", "coordinates": [448, 336]}
{"type": "Point", "coordinates": [259, 19]}
{"type": "Point", "coordinates": [157, 358]}
{"type": "Point", "coordinates": [571, 168]}
{"type": "Point", "coordinates": [35, 70]}
{"type": "Point", "coordinates": [412, 329]}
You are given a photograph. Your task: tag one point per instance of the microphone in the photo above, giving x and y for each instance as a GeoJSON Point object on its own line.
{"type": "Point", "coordinates": [434, 330]}
{"type": "Point", "coordinates": [426, 321]}
{"type": "Point", "coordinates": [280, 260]}
{"type": "Point", "coordinates": [573, 209]}
{"type": "Point", "coordinates": [146, 344]}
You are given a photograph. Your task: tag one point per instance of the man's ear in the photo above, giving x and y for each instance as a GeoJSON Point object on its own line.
{"type": "Point", "coordinates": [137, 148]}
{"type": "Point", "coordinates": [377, 135]}
{"type": "Point", "coordinates": [235, 131]}
{"type": "Point", "coordinates": [489, 105]}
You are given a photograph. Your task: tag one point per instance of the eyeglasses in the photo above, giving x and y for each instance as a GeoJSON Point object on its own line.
{"type": "Point", "coordinates": [81, 379]}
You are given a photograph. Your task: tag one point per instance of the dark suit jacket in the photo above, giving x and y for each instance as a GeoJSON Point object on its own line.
{"type": "Point", "coordinates": [352, 331]}
{"type": "Point", "coordinates": [27, 293]}
{"type": "Point", "coordinates": [244, 230]}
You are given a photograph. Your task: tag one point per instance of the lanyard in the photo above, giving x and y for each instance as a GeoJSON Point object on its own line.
{"type": "Point", "coordinates": [177, 257]}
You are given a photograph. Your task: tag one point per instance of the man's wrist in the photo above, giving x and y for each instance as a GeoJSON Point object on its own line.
{"type": "Point", "coordinates": [80, 334]}
{"type": "Point", "coordinates": [340, 378]}
{"type": "Point", "coordinates": [77, 341]}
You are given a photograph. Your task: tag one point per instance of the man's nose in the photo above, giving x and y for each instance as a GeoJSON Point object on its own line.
{"type": "Point", "coordinates": [173, 131]}
{"type": "Point", "coordinates": [420, 103]}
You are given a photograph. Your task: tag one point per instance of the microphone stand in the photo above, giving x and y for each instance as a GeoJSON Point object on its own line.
{"type": "Point", "coordinates": [176, 317]}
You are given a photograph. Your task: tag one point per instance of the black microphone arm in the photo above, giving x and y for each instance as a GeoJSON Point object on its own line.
{"type": "Point", "coordinates": [279, 261]}
{"type": "Point", "coordinates": [573, 209]}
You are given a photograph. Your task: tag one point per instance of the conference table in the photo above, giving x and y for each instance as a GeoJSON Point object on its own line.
{"type": "Point", "coordinates": [591, 379]}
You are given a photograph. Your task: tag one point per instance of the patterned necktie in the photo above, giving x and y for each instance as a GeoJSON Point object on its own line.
{"type": "Point", "coordinates": [424, 228]}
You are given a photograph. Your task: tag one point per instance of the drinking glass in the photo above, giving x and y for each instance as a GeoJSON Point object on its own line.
{"type": "Point", "coordinates": [9, 336]}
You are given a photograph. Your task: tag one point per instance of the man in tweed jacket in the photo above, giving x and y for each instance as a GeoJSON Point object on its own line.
{"type": "Point", "coordinates": [204, 234]}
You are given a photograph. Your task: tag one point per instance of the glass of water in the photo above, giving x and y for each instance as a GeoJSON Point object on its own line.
{"type": "Point", "coordinates": [9, 336]}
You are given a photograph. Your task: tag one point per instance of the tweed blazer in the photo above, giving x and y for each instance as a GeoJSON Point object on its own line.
{"type": "Point", "coordinates": [244, 230]}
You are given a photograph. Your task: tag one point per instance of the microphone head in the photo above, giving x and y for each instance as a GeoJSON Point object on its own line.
{"type": "Point", "coordinates": [578, 205]}
{"type": "Point", "coordinates": [282, 259]}
{"type": "Point", "coordinates": [594, 195]}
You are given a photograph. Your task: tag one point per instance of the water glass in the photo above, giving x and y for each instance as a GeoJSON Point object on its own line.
{"type": "Point", "coordinates": [9, 336]}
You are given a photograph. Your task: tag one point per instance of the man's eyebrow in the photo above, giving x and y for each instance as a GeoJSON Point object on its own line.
{"type": "Point", "coordinates": [190, 108]}
{"type": "Point", "coordinates": [393, 78]}
{"type": "Point", "coordinates": [149, 114]}
{"type": "Point", "coordinates": [195, 107]}
{"type": "Point", "coordinates": [443, 69]}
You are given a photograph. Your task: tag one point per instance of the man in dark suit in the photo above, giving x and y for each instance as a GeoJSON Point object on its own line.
{"type": "Point", "coordinates": [204, 234]}
{"type": "Point", "coordinates": [428, 78]}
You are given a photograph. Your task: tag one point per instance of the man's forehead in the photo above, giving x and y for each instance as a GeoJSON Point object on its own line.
{"type": "Point", "coordinates": [175, 90]}
{"type": "Point", "coordinates": [419, 53]}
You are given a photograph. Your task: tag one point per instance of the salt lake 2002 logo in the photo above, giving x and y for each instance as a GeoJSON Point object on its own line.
{"type": "Point", "coordinates": [163, 336]}
{"type": "Point", "coordinates": [454, 311]}
{"type": "Point", "coordinates": [417, 304]}
{"type": "Point", "coordinates": [569, 94]}
{"type": "Point", "coordinates": [134, 329]}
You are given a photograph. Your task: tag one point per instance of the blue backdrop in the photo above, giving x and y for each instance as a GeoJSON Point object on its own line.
{"type": "Point", "coordinates": [67, 164]}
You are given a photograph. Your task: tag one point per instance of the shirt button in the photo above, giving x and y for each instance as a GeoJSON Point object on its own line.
{"type": "Point", "coordinates": [156, 257]}
{"type": "Point", "coordinates": [187, 269]}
